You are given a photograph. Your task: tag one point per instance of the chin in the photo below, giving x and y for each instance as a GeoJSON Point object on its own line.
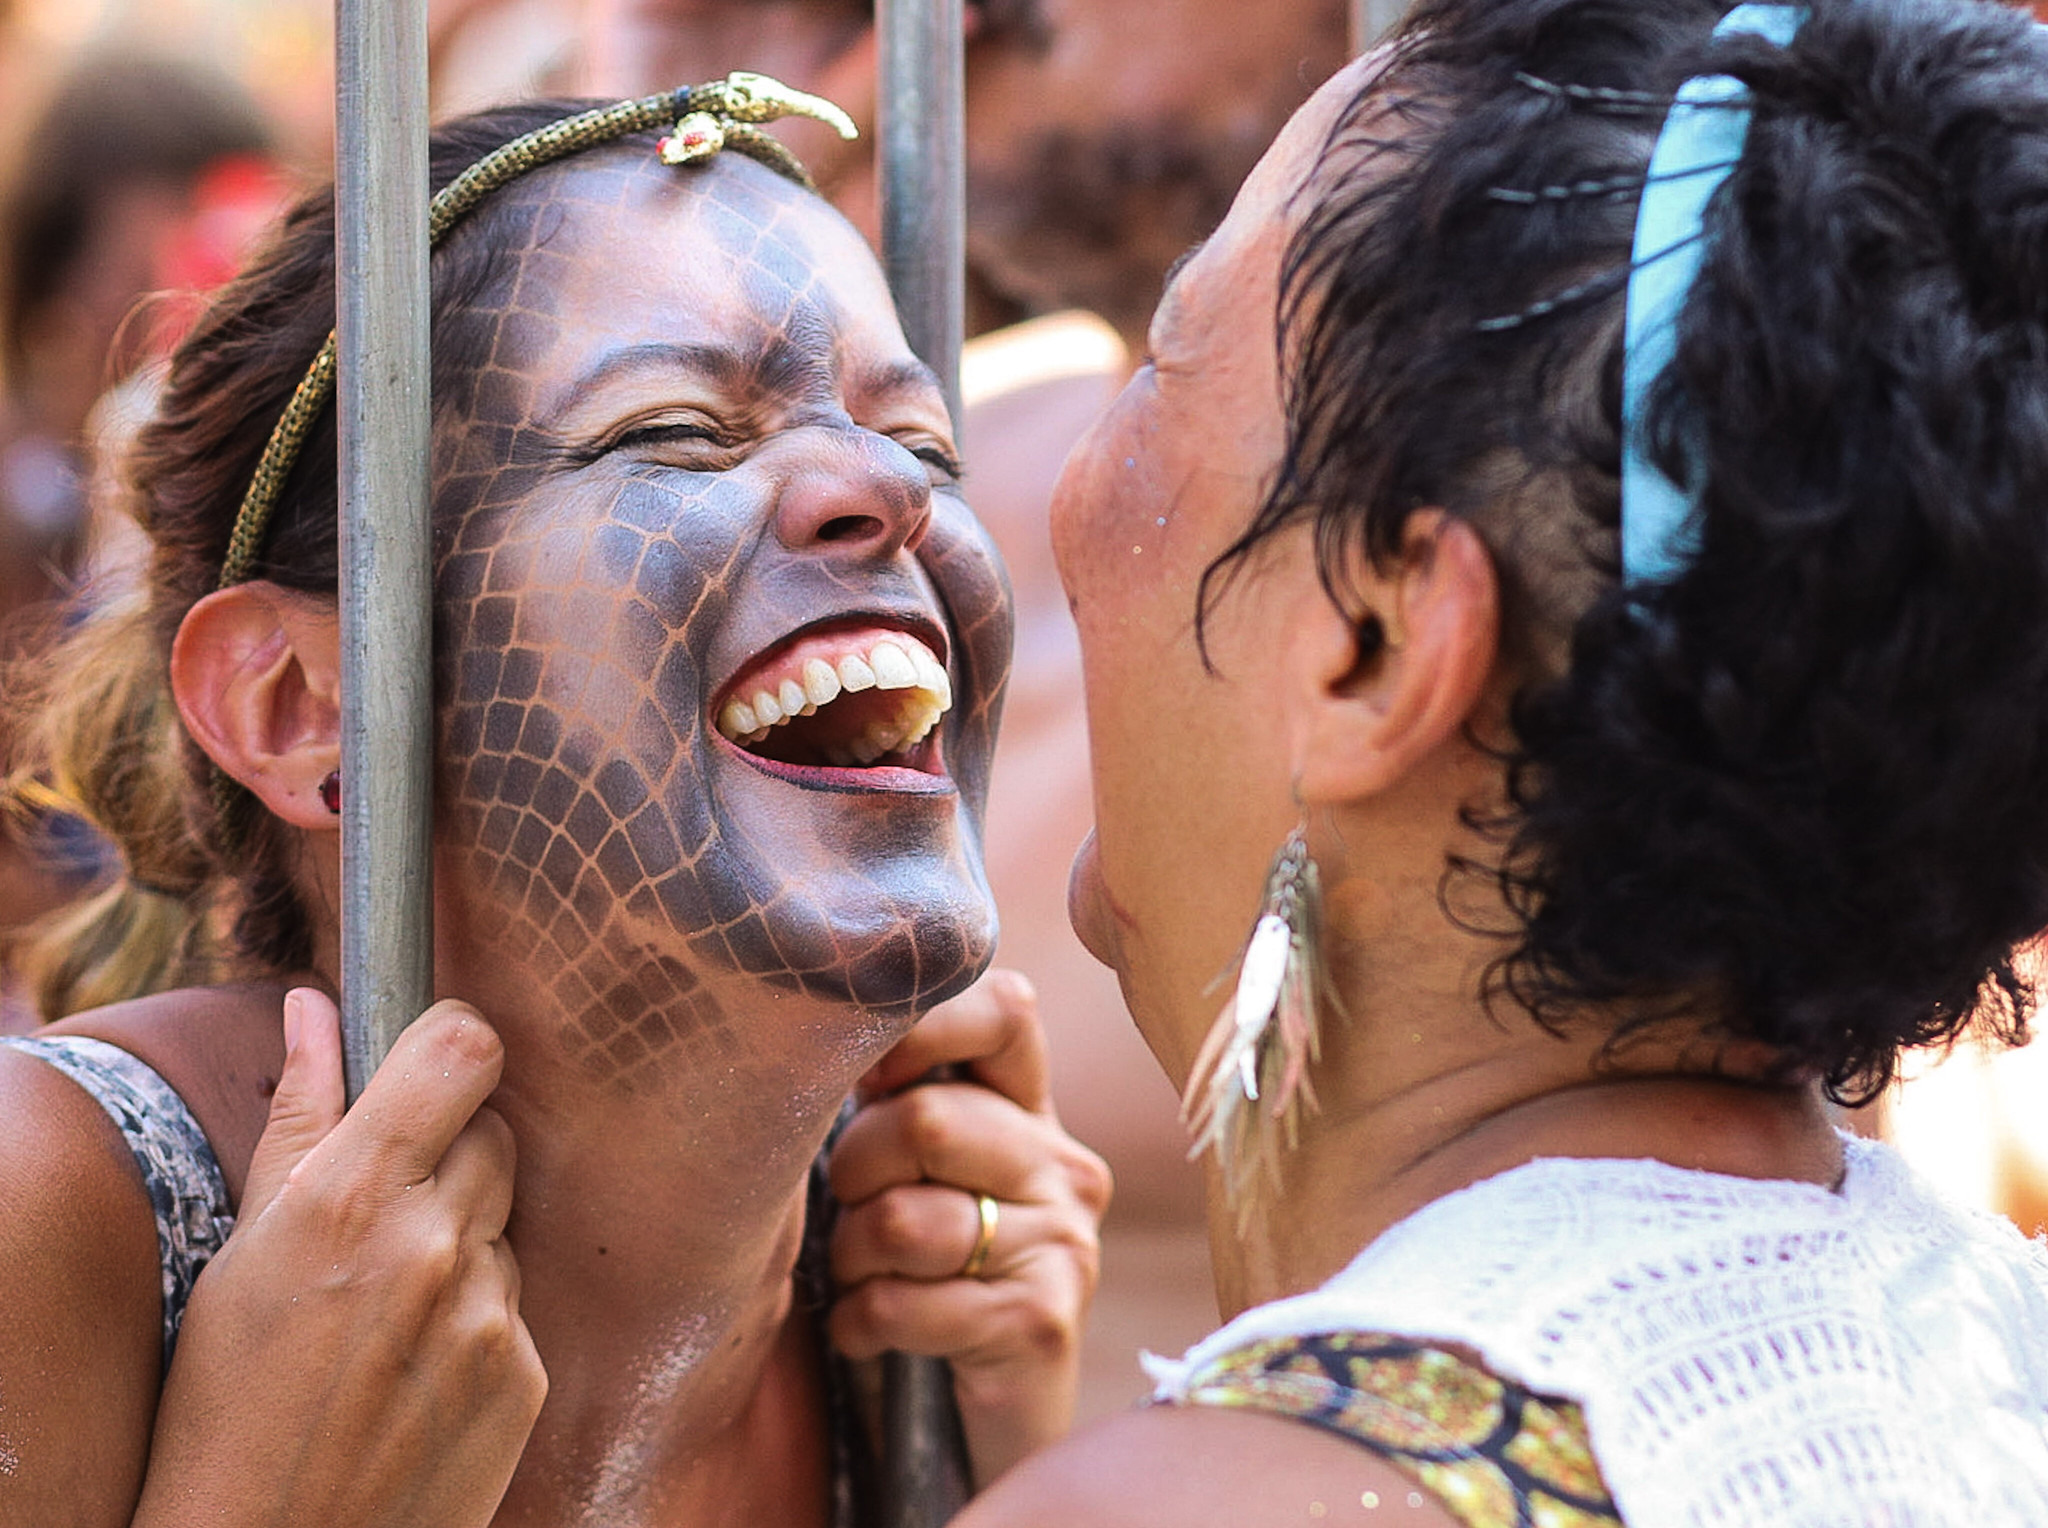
{"type": "Point", "coordinates": [1089, 909]}
{"type": "Point", "coordinates": [939, 955]}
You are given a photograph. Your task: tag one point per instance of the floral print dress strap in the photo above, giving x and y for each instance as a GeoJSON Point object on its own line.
{"type": "Point", "coordinates": [179, 1170]}
{"type": "Point", "coordinates": [1494, 1453]}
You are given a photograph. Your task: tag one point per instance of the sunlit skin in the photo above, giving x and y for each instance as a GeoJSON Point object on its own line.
{"type": "Point", "coordinates": [1149, 499]}
{"type": "Point", "coordinates": [678, 437]}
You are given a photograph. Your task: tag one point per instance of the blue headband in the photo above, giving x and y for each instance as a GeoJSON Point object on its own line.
{"type": "Point", "coordinates": [1700, 143]}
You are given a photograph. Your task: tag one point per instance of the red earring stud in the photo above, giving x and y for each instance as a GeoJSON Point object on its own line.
{"type": "Point", "coordinates": [330, 792]}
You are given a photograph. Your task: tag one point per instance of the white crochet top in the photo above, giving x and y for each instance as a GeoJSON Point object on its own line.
{"type": "Point", "coordinates": [1746, 1352]}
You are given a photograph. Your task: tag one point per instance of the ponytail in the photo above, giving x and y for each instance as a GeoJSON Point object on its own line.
{"type": "Point", "coordinates": [102, 742]}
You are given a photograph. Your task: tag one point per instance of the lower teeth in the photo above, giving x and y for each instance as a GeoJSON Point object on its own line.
{"type": "Point", "coordinates": [906, 729]}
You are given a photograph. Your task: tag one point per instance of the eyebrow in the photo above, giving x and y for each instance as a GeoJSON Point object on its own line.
{"type": "Point", "coordinates": [718, 362]}
{"type": "Point", "coordinates": [779, 364]}
{"type": "Point", "coordinates": [911, 376]}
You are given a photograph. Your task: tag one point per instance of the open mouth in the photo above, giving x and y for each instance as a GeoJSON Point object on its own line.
{"type": "Point", "coordinates": [857, 698]}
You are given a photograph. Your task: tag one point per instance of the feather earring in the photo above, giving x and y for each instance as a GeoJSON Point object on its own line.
{"type": "Point", "coordinates": [1250, 1081]}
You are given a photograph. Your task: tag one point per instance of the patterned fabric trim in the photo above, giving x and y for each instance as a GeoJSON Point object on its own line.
{"type": "Point", "coordinates": [1496, 1455]}
{"type": "Point", "coordinates": [186, 1190]}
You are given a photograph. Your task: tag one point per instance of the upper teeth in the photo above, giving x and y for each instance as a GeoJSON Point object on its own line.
{"type": "Point", "coordinates": [896, 662]}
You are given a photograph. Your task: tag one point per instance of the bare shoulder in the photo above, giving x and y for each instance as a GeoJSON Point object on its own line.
{"type": "Point", "coordinates": [81, 1321]}
{"type": "Point", "coordinates": [220, 1048]}
{"type": "Point", "coordinates": [1193, 1466]}
{"type": "Point", "coordinates": [68, 1177]}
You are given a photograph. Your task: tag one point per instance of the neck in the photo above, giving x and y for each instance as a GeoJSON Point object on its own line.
{"type": "Point", "coordinates": [657, 1237]}
{"type": "Point", "coordinates": [1403, 1124]}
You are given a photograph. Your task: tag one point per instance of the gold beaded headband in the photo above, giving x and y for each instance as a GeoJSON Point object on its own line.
{"type": "Point", "coordinates": [725, 114]}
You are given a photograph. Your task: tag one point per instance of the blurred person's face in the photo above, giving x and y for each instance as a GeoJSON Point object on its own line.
{"type": "Point", "coordinates": [636, 47]}
{"type": "Point", "coordinates": [150, 252]}
{"type": "Point", "coordinates": [639, 46]}
{"type": "Point", "coordinates": [72, 341]}
{"type": "Point", "coordinates": [1106, 136]}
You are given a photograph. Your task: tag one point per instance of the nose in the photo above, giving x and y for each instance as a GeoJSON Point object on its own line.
{"type": "Point", "coordinates": [859, 494]}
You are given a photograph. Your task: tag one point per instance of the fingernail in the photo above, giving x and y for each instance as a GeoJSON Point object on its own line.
{"type": "Point", "coordinates": [294, 1008]}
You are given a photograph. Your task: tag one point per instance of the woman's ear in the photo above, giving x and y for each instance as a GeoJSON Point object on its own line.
{"type": "Point", "coordinates": [256, 672]}
{"type": "Point", "coordinates": [1381, 686]}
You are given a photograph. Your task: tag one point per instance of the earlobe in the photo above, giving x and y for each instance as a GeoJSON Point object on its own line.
{"type": "Point", "coordinates": [255, 670]}
{"type": "Point", "coordinates": [1382, 688]}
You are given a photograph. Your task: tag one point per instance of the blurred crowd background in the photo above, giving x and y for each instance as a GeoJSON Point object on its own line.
{"type": "Point", "coordinates": [143, 144]}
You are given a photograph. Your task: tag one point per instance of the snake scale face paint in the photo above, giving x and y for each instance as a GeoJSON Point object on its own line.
{"type": "Point", "coordinates": [698, 481]}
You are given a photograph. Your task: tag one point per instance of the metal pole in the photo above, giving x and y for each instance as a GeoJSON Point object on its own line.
{"type": "Point", "coordinates": [924, 179]}
{"type": "Point", "coordinates": [1372, 19]}
{"type": "Point", "coordinates": [386, 580]}
{"type": "Point", "coordinates": [926, 1477]}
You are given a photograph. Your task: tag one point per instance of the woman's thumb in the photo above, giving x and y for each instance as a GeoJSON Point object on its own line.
{"type": "Point", "coordinates": [309, 1100]}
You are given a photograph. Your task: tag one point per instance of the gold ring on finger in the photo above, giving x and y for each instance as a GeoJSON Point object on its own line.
{"type": "Point", "coordinates": [985, 1240]}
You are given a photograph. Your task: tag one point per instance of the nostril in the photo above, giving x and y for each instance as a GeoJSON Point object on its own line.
{"type": "Point", "coordinates": [852, 501]}
{"type": "Point", "coordinates": [851, 528]}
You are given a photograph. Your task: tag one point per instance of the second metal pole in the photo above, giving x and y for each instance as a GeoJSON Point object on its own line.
{"type": "Point", "coordinates": [926, 1477]}
{"type": "Point", "coordinates": [920, 141]}
{"type": "Point", "coordinates": [386, 579]}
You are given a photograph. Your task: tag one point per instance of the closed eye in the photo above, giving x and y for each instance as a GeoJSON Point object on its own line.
{"type": "Point", "coordinates": [942, 461]}
{"type": "Point", "coordinates": [692, 444]}
{"type": "Point", "coordinates": [942, 466]}
{"type": "Point", "coordinates": [659, 434]}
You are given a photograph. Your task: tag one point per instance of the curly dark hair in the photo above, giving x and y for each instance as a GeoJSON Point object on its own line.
{"type": "Point", "coordinates": [1799, 787]}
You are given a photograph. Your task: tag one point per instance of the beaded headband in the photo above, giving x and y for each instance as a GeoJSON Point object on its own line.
{"type": "Point", "coordinates": [1701, 140]}
{"type": "Point", "coordinates": [724, 114]}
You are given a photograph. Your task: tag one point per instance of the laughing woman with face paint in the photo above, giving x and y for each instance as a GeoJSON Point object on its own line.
{"type": "Point", "coordinates": [720, 652]}
{"type": "Point", "coordinates": [1572, 581]}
